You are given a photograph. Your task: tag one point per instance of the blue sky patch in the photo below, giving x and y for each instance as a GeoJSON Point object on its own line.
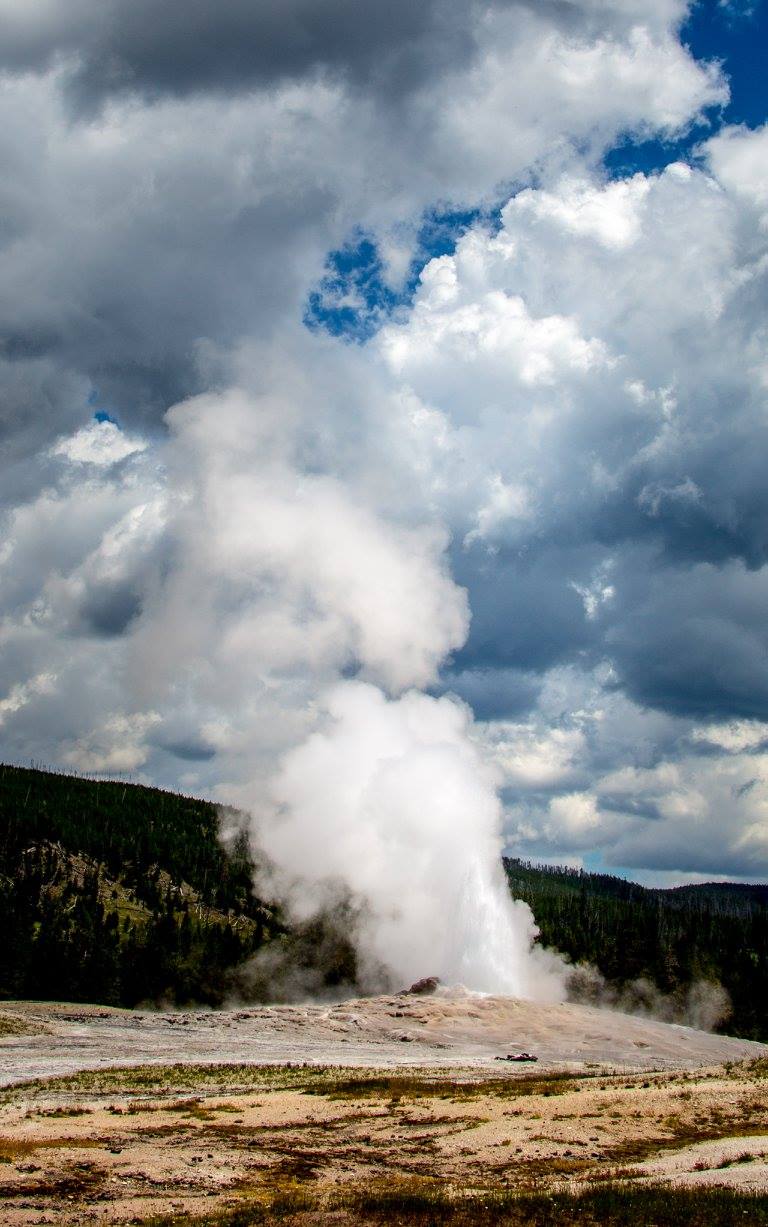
{"type": "Point", "coordinates": [735, 32]}
{"type": "Point", "coordinates": [354, 297]}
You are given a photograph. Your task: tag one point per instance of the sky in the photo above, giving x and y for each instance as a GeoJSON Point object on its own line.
{"type": "Point", "coordinates": [415, 350]}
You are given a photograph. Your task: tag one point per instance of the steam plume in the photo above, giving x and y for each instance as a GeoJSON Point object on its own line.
{"type": "Point", "coordinates": [380, 791]}
{"type": "Point", "coordinates": [391, 797]}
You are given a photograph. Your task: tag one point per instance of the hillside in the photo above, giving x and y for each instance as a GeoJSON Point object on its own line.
{"type": "Point", "coordinates": [668, 939]}
{"type": "Point", "coordinates": [117, 893]}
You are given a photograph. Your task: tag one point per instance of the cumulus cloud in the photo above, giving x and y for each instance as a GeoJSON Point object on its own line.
{"type": "Point", "coordinates": [632, 432]}
{"type": "Point", "coordinates": [100, 443]}
{"type": "Point", "coordinates": [194, 206]}
{"type": "Point", "coordinates": [737, 155]}
{"type": "Point", "coordinates": [76, 563]}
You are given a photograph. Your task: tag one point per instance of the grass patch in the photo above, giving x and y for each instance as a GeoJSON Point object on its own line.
{"type": "Point", "coordinates": [686, 1133]}
{"type": "Point", "coordinates": [12, 1149]}
{"type": "Point", "coordinates": [410, 1086]}
{"type": "Point", "coordinates": [162, 1080]}
{"type": "Point", "coordinates": [757, 1068]}
{"type": "Point", "coordinates": [190, 1107]}
{"type": "Point", "coordinates": [337, 1082]}
{"type": "Point", "coordinates": [64, 1110]}
{"type": "Point", "coordinates": [424, 1205]}
{"type": "Point", "coordinates": [11, 1025]}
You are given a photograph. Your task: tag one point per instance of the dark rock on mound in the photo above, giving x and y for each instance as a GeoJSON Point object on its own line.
{"type": "Point", "coordinates": [422, 988]}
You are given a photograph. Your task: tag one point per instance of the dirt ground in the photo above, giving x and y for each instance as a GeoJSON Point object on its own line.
{"type": "Point", "coordinates": [119, 1145]}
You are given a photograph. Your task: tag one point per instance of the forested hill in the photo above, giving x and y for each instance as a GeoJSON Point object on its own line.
{"type": "Point", "coordinates": [716, 932]}
{"type": "Point", "coordinates": [116, 893]}
{"type": "Point", "coordinates": [731, 898]}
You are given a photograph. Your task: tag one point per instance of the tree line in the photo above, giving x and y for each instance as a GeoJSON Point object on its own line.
{"type": "Point", "coordinates": [116, 893]}
{"type": "Point", "coordinates": [672, 939]}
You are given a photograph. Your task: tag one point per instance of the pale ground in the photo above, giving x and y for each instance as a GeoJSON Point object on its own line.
{"type": "Point", "coordinates": [447, 1029]}
{"type": "Point", "coordinates": [610, 1096]}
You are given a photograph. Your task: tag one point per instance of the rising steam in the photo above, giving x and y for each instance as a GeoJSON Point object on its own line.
{"type": "Point", "coordinates": [391, 798]}
{"type": "Point", "coordinates": [286, 579]}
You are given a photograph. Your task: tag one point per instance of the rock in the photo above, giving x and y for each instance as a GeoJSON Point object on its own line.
{"type": "Point", "coordinates": [422, 988]}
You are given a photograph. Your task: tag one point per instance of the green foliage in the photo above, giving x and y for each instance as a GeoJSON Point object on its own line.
{"type": "Point", "coordinates": [710, 932]}
{"type": "Point", "coordinates": [117, 893]}
{"type": "Point", "coordinates": [127, 828]}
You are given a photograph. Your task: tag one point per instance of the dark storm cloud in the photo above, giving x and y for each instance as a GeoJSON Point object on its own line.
{"type": "Point", "coordinates": [684, 624]}
{"type": "Point", "coordinates": [113, 299]}
{"type": "Point", "coordinates": [693, 640]}
{"type": "Point", "coordinates": [191, 751]}
{"type": "Point", "coordinates": [493, 693]}
{"type": "Point", "coordinates": [188, 46]}
{"type": "Point", "coordinates": [707, 501]}
{"type": "Point", "coordinates": [687, 851]}
{"type": "Point", "coordinates": [526, 614]}
{"type": "Point", "coordinates": [630, 805]}
{"type": "Point", "coordinates": [690, 639]}
{"type": "Point", "coordinates": [109, 609]}
{"type": "Point", "coordinates": [40, 398]}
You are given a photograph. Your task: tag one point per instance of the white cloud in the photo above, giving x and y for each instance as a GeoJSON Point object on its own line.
{"type": "Point", "coordinates": [734, 736]}
{"type": "Point", "coordinates": [117, 745]}
{"type": "Point", "coordinates": [101, 443]}
{"type": "Point", "coordinates": [533, 757]}
{"type": "Point", "coordinates": [654, 803]}
{"type": "Point", "coordinates": [23, 692]}
{"type": "Point", "coordinates": [573, 820]}
{"type": "Point", "coordinates": [611, 214]}
{"type": "Point", "coordinates": [738, 157]}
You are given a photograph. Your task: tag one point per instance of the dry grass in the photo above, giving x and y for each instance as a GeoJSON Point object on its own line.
{"type": "Point", "coordinates": [13, 1149]}
{"type": "Point", "coordinates": [421, 1204]}
{"type": "Point", "coordinates": [11, 1024]}
{"type": "Point", "coordinates": [364, 1085]}
{"type": "Point", "coordinates": [173, 1080]}
{"type": "Point", "coordinates": [333, 1081]}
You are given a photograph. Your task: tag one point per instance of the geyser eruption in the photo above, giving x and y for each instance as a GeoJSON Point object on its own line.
{"type": "Point", "coordinates": [284, 580]}
{"type": "Point", "coordinates": [391, 797]}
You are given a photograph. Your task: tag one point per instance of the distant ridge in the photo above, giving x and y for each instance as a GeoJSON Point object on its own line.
{"type": "Point", "coordinates": [706, 933]}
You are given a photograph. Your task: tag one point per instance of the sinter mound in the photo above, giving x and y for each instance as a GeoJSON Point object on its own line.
{"type": "Point", "coordinates": [449, 1028]}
